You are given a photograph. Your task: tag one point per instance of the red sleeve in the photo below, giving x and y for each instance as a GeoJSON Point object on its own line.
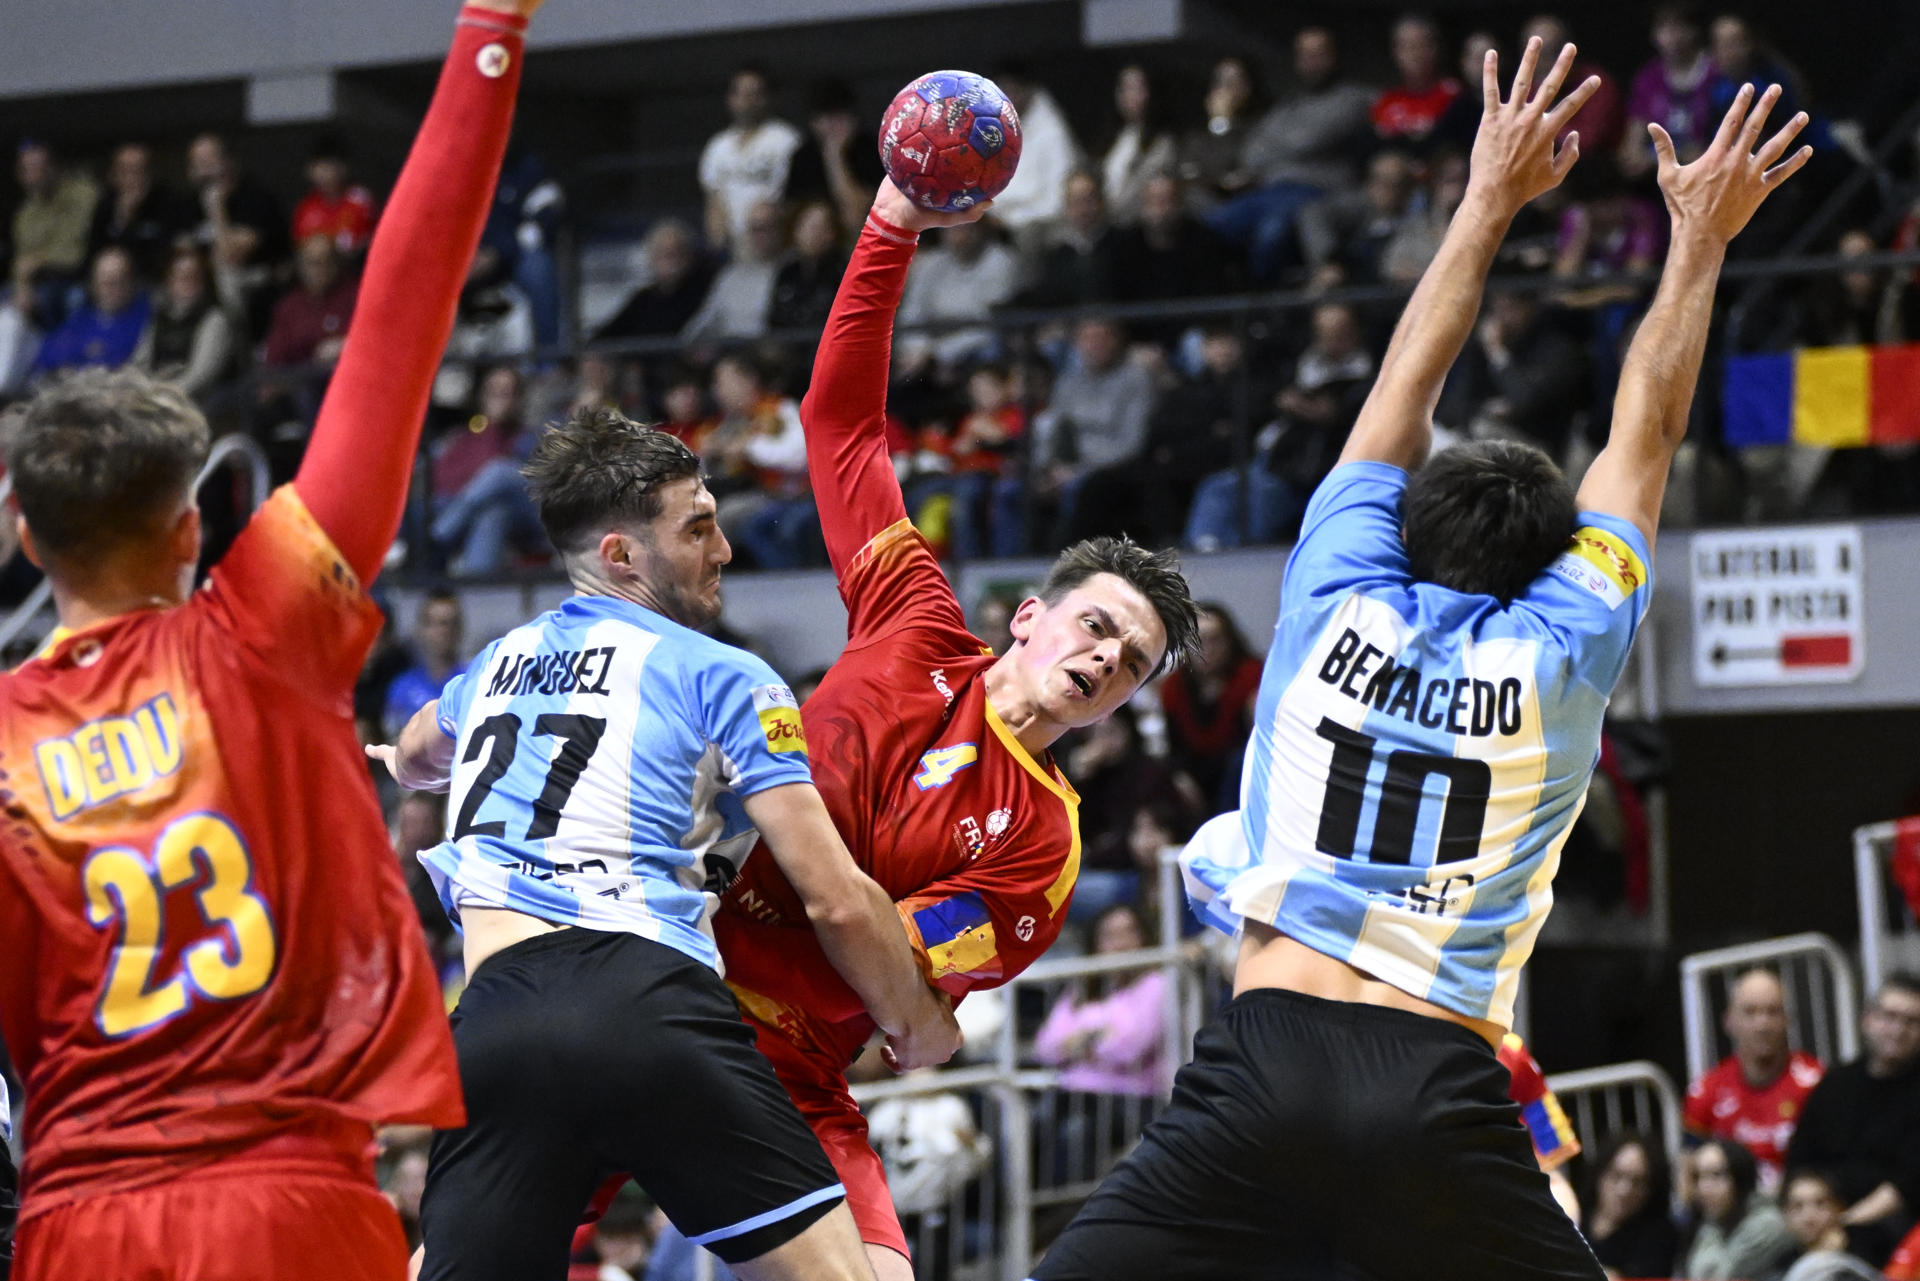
{"type": "Point", "coordinates": [889, 576]}
{"type": "Point", "coordinates": [1697, 1114]}
{"type": "Point", "coordinates": [354, 478]}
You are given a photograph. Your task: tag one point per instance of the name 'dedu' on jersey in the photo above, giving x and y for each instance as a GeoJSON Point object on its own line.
{"type": "Point", "coordinates": [1419, 755]}
{"type": "Point", "coordinates": [603, 752]}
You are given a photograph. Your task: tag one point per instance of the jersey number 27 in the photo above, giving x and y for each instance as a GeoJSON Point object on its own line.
{"type": "Point", "coordinates": [501, 735]}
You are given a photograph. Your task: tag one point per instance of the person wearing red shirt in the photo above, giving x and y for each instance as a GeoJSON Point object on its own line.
{"type": "Point", "coordinates": [1209, 706]}
{"type": "Point", "coordinates": [217, 985]}
{"type": "Point", "coordinates": [931, 754]}
{"type": "Point", "coordinates": [310, 322]}
{"type": "Point", "coordinates": [1754, 1096]}
{"type": "Point", "coordinates": [336, 207]}
{"type": "Point", "coordinates": [1408, 112]}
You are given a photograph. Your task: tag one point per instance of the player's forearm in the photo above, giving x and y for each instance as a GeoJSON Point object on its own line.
{"type": "Point", "coordinates": [355, 474]}
{"type": "Point", "coordinates": [1663, 366]}
{"type": "Point", "coordinates": [862, 935]}
{"type": "Point", "coordinates": [423, 756]}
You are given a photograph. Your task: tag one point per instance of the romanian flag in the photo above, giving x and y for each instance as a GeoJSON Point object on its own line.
{"type": "Point", "coordinates": [1839, 397]}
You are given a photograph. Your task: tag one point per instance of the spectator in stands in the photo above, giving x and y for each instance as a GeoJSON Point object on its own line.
{"type": "Point", "coordinates": [1209, 707]}
{"type": "Point", "coordinates": [756, 461]}
{"type": "Point", "coordinates": [745, 164]}
{"type": "Point", "coordinates": [242, 226]}
{"type": "Point", "coordinates": [1520, 378]}
{"type": "Point", "coordinates": [1343, 238]}
{"type": "Point", "coordinates": [335, 205]}
{"type": "Point", "coordinates": [1847, 307]}
{"type": "Point", "coordinates": [1197, 429]}
{"type": "Point", "coordinates": [50, 227]}
{"type": "Point", "coordinates": [1302, 150]}
{"type": "Point", "coordinates": [1627, 1223]}
{"type": "Point", "coordinates": [137, 214]}
{"type": "Point", "coordinates": [834, 163]}
{"type": "Point", "coordinates": [1739, 58]}
{"type": "Point", "coordinates": [1459, 124]}
{"type": "Point", "coordinates": [1294, 451]}
{"type": "Point", "coordinates": [737, 302]}
{"type": "Point", "coordinates": [1168, 253]}
{"type": "Point", "coordinates": [1861, 1124]}
{"type": "Point", "coordinates": [1116, 778]}
{"type": "Point", "coordinates": [483, 513]}
{"type": "Point", "coordinates": [1107, 1035]}
{"type": "Point", "coordinates": [683, 406]}
{"type": "Point", "coordinates": [624, 1236]}
{"type": "Point", "coordinates": [809, 276]}
{"type": "Point", "coordinates": [1209, 159]}
{"type": "Point", "coordinates": [960, 279]}
{"type": "Point", "coordinates": [1140, 146]}
{"type": "Point", "coordinates": [190, 339]}
{"type": "Point", "coordinates": [521, 238]}
{"type": "Point", "coordinates": [1417, 240]}
{"type": "Point", "coordinates": [1739, 1232]}
{"type": "Point", "coordinates": [494, 321]}
{"type": "Point", "coordinates": [979, 454]}
{"type": "Point", "coordinates": [1088, 441]}
{"type": "Point", "coordinates": [1673, 90]}
{"type": "Point", "coordinates": [107, 328]}
{"type": "Point", "coordinates": [1406, 114]}
{"type": "Point", "coordinates": [1048, 153]}
{"type": "Point", "coordinates": [1074, 264]}
{"type": "Point", "coordinates": [1600, 122]}
{"type": "Point", "coordinates": [1816, 1215]}
{"type": "Point", "coordinates": [19, 346]}
{"type": "Point", "coordinates": [310, 323]}
{"type": "Point", "coordinates": [1754, 1096]}
{"type": "Point", "coordinates": [418, 822]}
{"type": "Point", "coordinates": [677, 285]}
{"type": "Point", "coordinates": [438, 631]}
{"type": "Point", "coordinates": [1606, 229]}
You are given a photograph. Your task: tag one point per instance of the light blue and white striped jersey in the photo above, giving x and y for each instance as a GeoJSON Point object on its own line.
{"type": "Point", "coordinates": [603, 751]}
{"type": "Point", "coordinates": [1419, 755]}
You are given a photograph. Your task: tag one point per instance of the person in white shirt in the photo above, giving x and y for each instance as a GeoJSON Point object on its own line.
{"type": "Point", "coordinates": [1048, 153]}
{"type": "Point", "coordinates": [745, 163]}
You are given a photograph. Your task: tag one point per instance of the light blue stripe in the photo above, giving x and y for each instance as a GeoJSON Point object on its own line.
{"type": "Point", "coordinates": [786, 1211]}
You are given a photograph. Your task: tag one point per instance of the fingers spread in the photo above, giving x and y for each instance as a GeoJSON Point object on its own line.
{"type": "Point", "coordinates": [1777, 145]}
{"type": "Point", "coordinates": [1570, 108]}
{"type": "Point", "coordinates": [1556, 76]}
{"type": "Point", "coordinates": [1736, 112]}
{"type": "Point", "coordinates": [1523, 78]}
{"type": "Point", "coordinates": [1788, 167]}
{"type": "Point", "coordinates": [1757, 118]}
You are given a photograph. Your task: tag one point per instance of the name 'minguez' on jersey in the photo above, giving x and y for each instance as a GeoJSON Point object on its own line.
{"type": "Point", "coordinates": [603, 752]}
{"type": "Point", "coordinates": [1419, 755]}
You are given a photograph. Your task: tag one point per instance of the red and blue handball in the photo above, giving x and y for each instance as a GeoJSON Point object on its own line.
{"type": "Point", "coordinates": [950, 140]}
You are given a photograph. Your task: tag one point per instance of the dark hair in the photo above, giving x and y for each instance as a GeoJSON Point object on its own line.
{"type": "Point", "coordinates": [1809, 1173]}
{"type": "Point", "coordinates": [1155, 575]}
{"type": "Point", "coordinates": [1236, 641]}
{"type": "Point", "coordinates": [1487, 517]}
{"type": "Point", "coordinates": [1659, 1172]}
{"type": "Point", "coordinates": [601, 468]}
{"type": "Point", "coordinates": [1741, 1168]}
{"type": "Point", "coordinates": [1900, 981]}
{"type": "Point", "coordinates": [329, 146]}
{"type": "Point", "coordinates": [99, 458]}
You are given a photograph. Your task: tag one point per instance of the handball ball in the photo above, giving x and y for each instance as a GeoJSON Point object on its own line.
{"type": "Point", "coordinates": [950, 140]}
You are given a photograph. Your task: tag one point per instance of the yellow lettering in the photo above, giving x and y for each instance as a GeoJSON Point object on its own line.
{"type": "Point", "coordinates": [160, 726]}
{"type": "Point", "coordinates": [126, 749]}
{"type": "Point", "coordinates": [60, 772]}
{"type": "Point", "coordinates": [98, 770]}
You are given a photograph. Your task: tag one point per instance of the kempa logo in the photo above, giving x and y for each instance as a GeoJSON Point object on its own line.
{"type": "Point", "coordinates": [939, 675]}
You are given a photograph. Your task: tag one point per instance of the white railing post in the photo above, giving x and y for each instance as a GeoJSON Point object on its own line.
{"type": "Point", "coordinates": [1870, 891]}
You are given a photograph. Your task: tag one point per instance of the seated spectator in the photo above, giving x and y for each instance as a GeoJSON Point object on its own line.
{"type": "Point", "coordinates": [1209, 159]}
{"type": "Point", "coordinates": [1606, 230]}
{"type": "Point", "coordinates": [828, 166]}
{"type": "Point", "coordinates": [971, 463]}
{"type": "Point", "coordinates": [736, 303]}
{"type": "Point", "coordinates": [137, 214]}
{"type": "Point", "coordinates": [623, 1237]}
{"type": "Point", "coordinates": [483, 513]}
{"type": "Point", "coordinates": [494, 320]}
{"type": "Point", "coordinates": [1048, 153]}
{"type": "Point", "coordinates": [1459, 124]}
{"type": "Point", "coordinates": [678, 279]}
{"type": "Point", "coordinates": [106, 329]}
{"type": "Point", "coordinates": [1520, 378]}
{"type": "Point", "coordinates": [1416, 242]}
{"type": "Point", "coordinates": [1847, 307]}
{"type": "Point", "coordinates": [1600, 121]}
{"type": "Point", "coordinates": [438, 631]}
{"type": "Point", "coordinates": [756, 461]}
{"type": "Point", "coordinates": [190, 340]}
{"type": "Point", "coordinates": [1197, 428]}
{"type": "Point", "coordinates": [243, 228]}
{"type": "Point", "coordinates": [1168, 253]}
{"type": "Point", "coordinates": [310, 322]}
{"type": "Point", "coordinates": [334, 206]}
{"type": "Point", "coordinates": [809, 276]}
{"type": "Point", "coordinates": [1209, 706]}
{"type": "Point", "coordinates": [50, 227]}
{"type": "Point", "coordinates": [1754, 1096]}
{"type": "Point", "coordinates": [960, 279]}
{"type": "Point", "coordinates": [1406, 114]}
{"type": "Point", "coordinates": [1816, 1215]}
{"type": "Point", "coordinates": [1088, 441]}
{"type": "Point", "coordinates": [1075, 259]}
{"type": "Point", "coordinates": [1627, 1223]}
{"type": "Point", "coordinates": [1295, 451]}
{"type": "Point", "coordinates": [1343, 238]}
{"type": "Point", "coordinates": [1302, 150]}
{"type": "Point", "coordinates": [1740, 58]}
{"type": "Point", "coordinates": [521, 237]}
{"type": "Point", "coordinates": [745, 164]}
{"type": "Point", "coordinates": [1140, 145]}
{"type": "Point", "coordinates": [1861, 1124]}
{"type": "Point", "coordinates": [1739, 1232]}
{"type": "Point", "coordinates": [1107, 1034]}
{"type": "Point", "coordinates": [19, 346]}
{"type": "Point", "coordinates": [683, 411]}
{"type": "Point", "coordinates": [1116, 778]}
{"type": "Point", "coordinates": [1674, 90]}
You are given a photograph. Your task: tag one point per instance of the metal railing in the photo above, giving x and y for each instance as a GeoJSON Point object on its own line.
{"type": "Point", "coordinates": [224, 452]}
{"type": "Point", "coordinates": [1621, 1098]}
{"type": "Point", "coordinates": [1816, 975]}
{"type": "Point", "coordinates": [1889, 934]}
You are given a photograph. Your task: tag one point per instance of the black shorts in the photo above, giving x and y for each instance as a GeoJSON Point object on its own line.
{"type": "Point", "coordinates": [1321, 1139]}
{"type": "Point", "coordinates": [585, 1053]}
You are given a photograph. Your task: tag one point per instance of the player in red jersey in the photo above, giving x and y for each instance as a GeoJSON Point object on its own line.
{"type": "Point", "coordinates": [931, 754]}
{"type": "Point", "coordinates": [216, 985]}
{"type": "Point", "coordinates": [1754, 1096]}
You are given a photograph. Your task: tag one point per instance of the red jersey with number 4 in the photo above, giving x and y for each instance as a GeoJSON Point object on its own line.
{"type": "Point", "coordinates": [1722, 1105]}
{"type": "Point", "coordinates": [208, 942]}
{"type": "Point", "coordinates": [975, 839]}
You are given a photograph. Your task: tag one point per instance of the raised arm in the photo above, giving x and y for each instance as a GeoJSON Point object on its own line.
{"type": "Point", "coordinates": [1513, 161]}
{"type": "Point", "coordinates": [357, 466]}
{"type": "Point", "coordinates": [1709, 202]}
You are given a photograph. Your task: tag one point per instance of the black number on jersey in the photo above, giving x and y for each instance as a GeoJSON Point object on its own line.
{"type": "Point", "coordinates": [581, 735]}
{"type": "Point", "coordinates": [1469, 784]}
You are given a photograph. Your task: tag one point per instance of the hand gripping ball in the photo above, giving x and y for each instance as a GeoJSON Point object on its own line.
{"type": "Point", "coordinates": [950, 140]}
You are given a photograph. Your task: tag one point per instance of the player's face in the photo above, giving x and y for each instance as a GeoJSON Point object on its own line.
{"type": "Point", "coordinates": [685, 552]}
{"type": "Point", "coordinates": [1089, 652]}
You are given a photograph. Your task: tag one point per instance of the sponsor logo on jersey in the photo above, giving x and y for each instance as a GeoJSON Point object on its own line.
{"type": "Point", "coordinates": [779, 714]}
{"type": "Point", "coordinates": [110, 757]}
{"type": "Point", "coordinates": [939, 675]}
{"type": "Point", "coordinates": [1603, 564]}
{"type": "Point", "coordinates": [1023, 930]}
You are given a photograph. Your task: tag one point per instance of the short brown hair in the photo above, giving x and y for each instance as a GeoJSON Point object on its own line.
{"type": "Point", "coordinates": [600, 468]}
{"type": "Point", "coordinates": [1155, 575]}
{"type": "Point", "coordinates": [100, 457]}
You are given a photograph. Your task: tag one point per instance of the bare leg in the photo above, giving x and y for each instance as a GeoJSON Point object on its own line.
{"type": "Point", "coordinates": [829, 1250]}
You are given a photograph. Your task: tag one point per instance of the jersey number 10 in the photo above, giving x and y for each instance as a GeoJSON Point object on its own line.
{"type": "Point", "coordinates": [1469, 784]}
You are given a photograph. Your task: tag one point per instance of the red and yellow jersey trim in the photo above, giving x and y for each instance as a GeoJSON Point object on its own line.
{"type": "Point", "coordinates": [1056, 783]}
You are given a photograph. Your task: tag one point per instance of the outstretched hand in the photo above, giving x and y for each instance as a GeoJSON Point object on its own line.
{"type": "Point", "coordinates": [1716, 194]}
{"type": "Point", "coordinates": [892, 205]}
{"type": "Point", "coordinates": [1514, 158]}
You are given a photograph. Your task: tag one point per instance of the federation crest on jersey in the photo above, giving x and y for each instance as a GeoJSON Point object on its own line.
{"type": "Point", "coordinates": [779, 713]}
{"type": "Point", "coordinates": [999, 821]}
